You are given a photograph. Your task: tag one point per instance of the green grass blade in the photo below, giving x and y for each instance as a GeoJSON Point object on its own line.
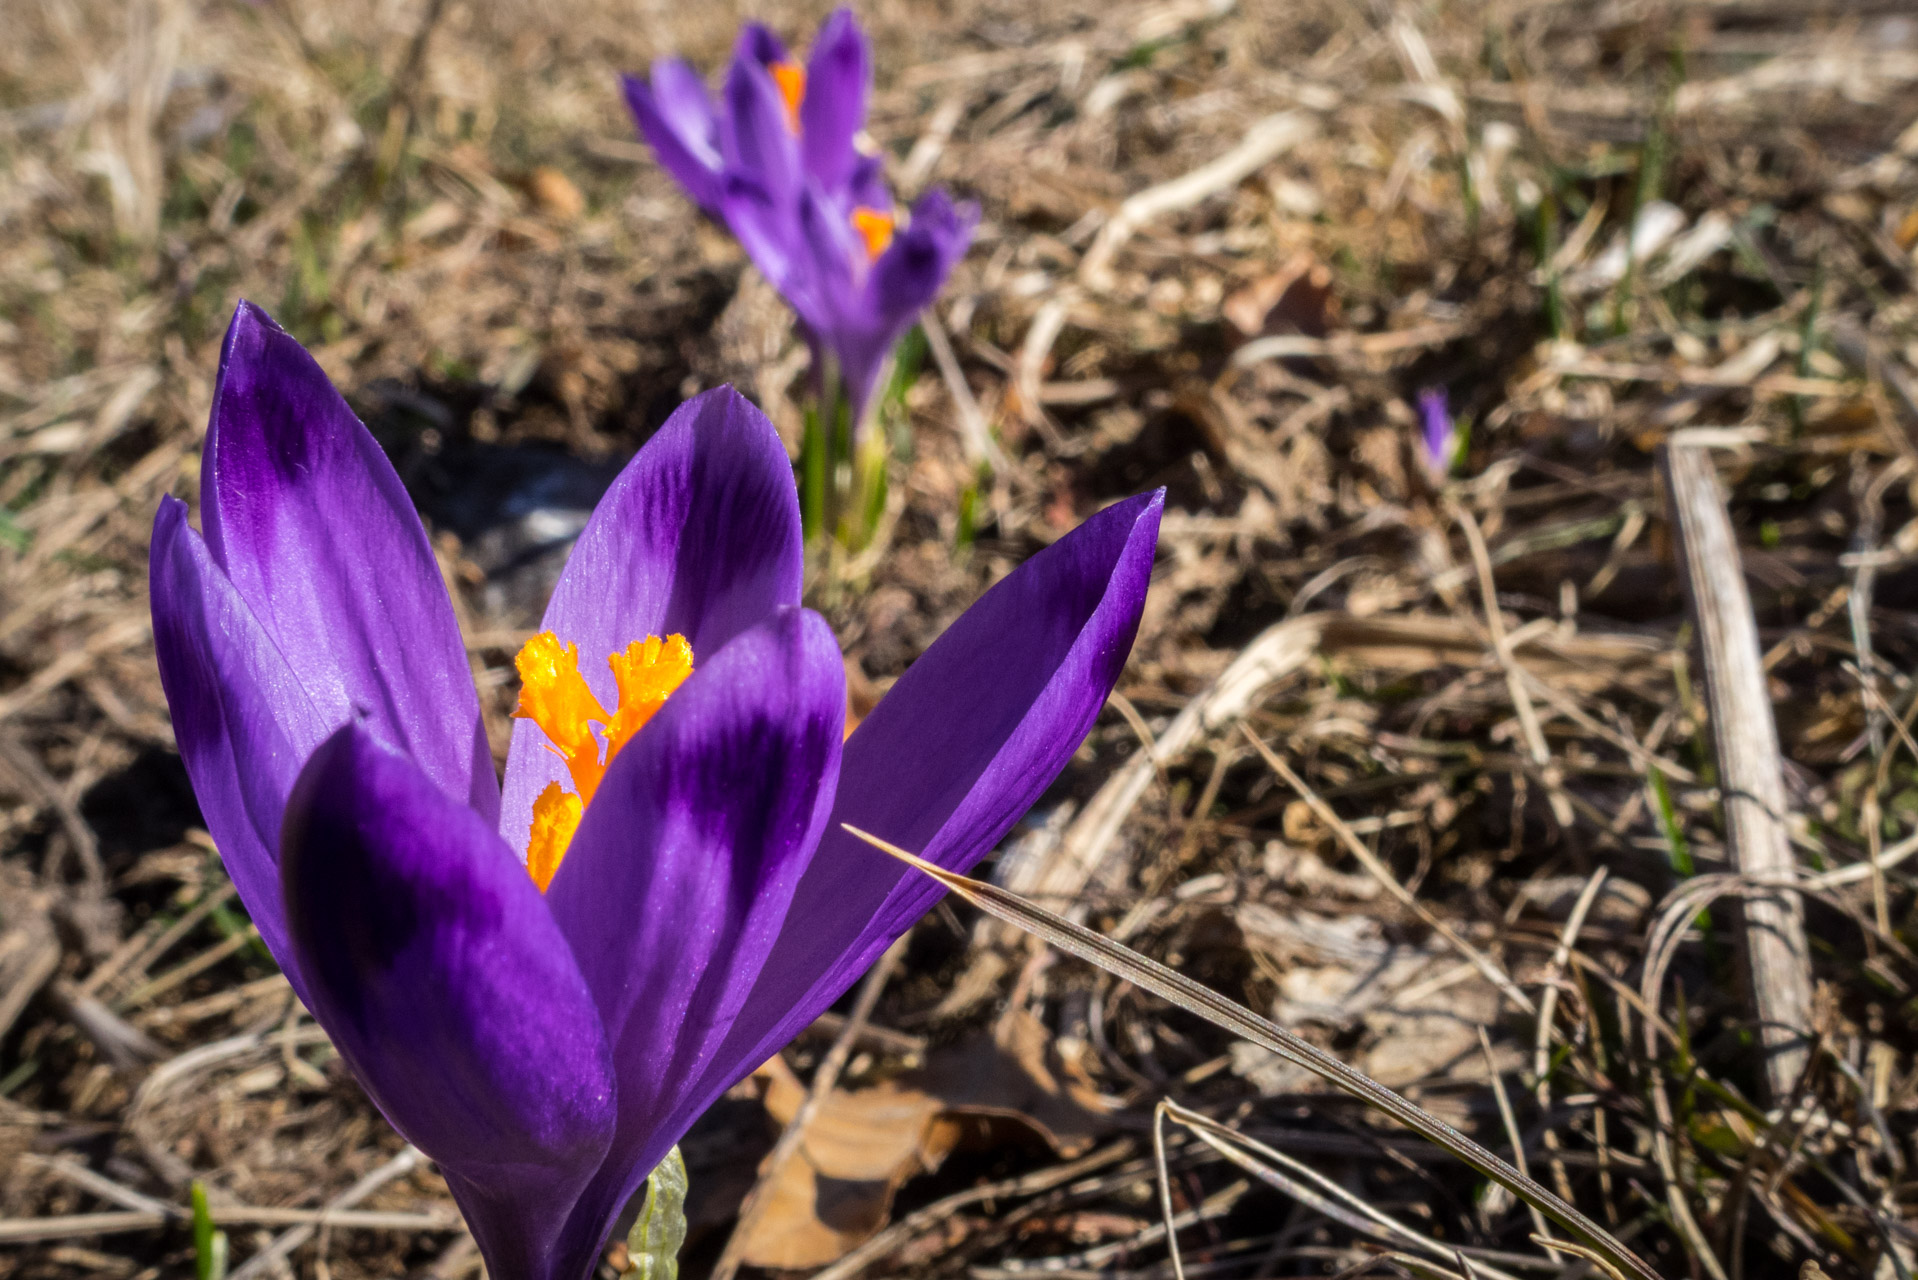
{"type": "Point", "coordinates": [209, 1242]}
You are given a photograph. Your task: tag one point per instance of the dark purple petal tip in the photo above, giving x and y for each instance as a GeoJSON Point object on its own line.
{"type": "Point", "coordinates": [757, 44]}
{"type": "Point", "coordinates": [309, 521]}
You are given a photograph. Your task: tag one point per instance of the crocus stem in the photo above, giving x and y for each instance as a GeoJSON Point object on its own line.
{"type": "Point", "coordinates": [825, 457]}
{"type": "Point", "coordinates": [869, 484]}
{"type": "Point", "coordinates": [652, 1246]}
{"type": "Point", "coordinates": [843, 464]}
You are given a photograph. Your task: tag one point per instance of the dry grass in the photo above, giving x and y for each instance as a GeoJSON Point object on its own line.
{"type": "Point", "coordinates": [1171, 287]}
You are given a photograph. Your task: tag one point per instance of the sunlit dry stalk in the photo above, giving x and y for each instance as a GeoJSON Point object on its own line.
{"type": "Point", "coordinates": [1149, 975]}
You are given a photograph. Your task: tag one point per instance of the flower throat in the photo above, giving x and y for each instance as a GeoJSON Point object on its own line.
{"type": "Point", "coordinates": [557, 699]}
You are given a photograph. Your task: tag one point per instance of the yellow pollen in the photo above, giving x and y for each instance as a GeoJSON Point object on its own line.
{"type": "Point", "coordinates": [875, 228]}
{"type": "Point", "coordinates": [556, 698]}
{"type": "Point", "coordinates": [791, 79]}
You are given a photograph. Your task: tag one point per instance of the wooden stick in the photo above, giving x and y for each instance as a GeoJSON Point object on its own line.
{"type": "Point", "coordinates": [1745, 737]}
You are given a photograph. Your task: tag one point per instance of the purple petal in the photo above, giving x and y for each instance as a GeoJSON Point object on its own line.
{"type": "Point", "coordinates": [905, 279]}
{"type": "Point", "coordinates": [1437, 419]}
{"type": "Point", "coordinates": [950, 759]}
{"type": "Point", "coordinates": [243, 721]}
{"type": "Point", "coordinates": [435, 966]}
{"type": "Point", "coordinates": [306, 516]}
{"type": "Point", "coordinates": [912, 270]}
{"type": "Point", "coordinates": [841, 319]}
{"type": "Point", "coordinates": [679, 877]}
{"type": "Point", "coordinates": [838, 80]}
{"type": "Point", "coordinates": [677, 118]}
{"type": "Point", "coordinates": [831, 248]}
{"type": "Point", "coordinates": [769, 232]}
{"type": "Point", "coordinates": [699, 535]}
{"type": "Point", "coordinates": [755, 137]}
{"type": "Point", "coordinates": [866, 187]}
{"type": "Point", "coordinates": [757, 44]}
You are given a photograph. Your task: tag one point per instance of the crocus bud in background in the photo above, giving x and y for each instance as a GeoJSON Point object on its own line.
{"type": "Point", "coordinates": [1439, 440]}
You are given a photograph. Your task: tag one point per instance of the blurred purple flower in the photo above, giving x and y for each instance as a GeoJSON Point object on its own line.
{"type": "Point", "coordinates": [1440, 439]}
{"type": "Point", "coordinates": [547, 1037]}
{"type": "Point", "coordinates": [776, 160]}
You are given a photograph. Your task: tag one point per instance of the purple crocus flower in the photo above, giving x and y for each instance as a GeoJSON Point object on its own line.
{"type": "Point", "coordinates": [776, 160]}
{"type": "Point", "coordinates": [1439, 438]}
{"type": "Point", "coordinates": [543, 989]}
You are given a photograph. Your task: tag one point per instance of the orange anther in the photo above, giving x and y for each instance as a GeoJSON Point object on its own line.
{"type": "Point", "coordinates": [647, 673]}
{"type": "Point", "coordinates": [554, 696]}
{"type": "Point", "coordinates": [875, 228]}
{"type": "Point", "coordinates": [791, 79]}
{"type": "Point", "coordinates": [556, 816]}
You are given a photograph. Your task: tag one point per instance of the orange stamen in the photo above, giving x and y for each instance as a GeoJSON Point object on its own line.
{"type": "Point", "coordinates": [556, 816]}
{"type": "Point", "coordinates": [875, 228]}
{"type": "Point", "coordinates": [791, 79]}
{"type": "Point", "coordinates": [556, 698]}
{"type": "Point", "coordinates": [647, 673]}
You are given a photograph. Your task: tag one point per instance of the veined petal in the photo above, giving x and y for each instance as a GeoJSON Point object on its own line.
{"type": "Point", "coordinates": [838, 80]}
{"type": "Point", "coordinates": [952, 756]}
{"type": "Point", "coordinates": [435, 966]}
{"type": "Point", "coordinates": [676, 116]}
{"type": "Point", "coordinates": [243, 720]}
{"type": "Point", "coordinates": [698, 536]}
{"type": "Point", "coordinates": [679, 878]}
{"type": "Point", "coordinates": [312, 526]}
{"type": "Point", "coordinates": [831, 244]}
{"type": "Point", "coordinates": [755, 137]}
{"type": "Point", "coordinates": [828, 248]}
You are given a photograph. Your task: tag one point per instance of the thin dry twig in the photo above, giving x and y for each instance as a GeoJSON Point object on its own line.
{"type": "Point", "coordinates": [1515, 681]}
{"type": "Point", "coordinates": [1264, 142]}
{"type": "Point", "coordinates": [1383, 874]}
{"type": "Point", "coordinates": [271, 1257]}
{"type": "Point", "coordinates": [1745, 739]}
